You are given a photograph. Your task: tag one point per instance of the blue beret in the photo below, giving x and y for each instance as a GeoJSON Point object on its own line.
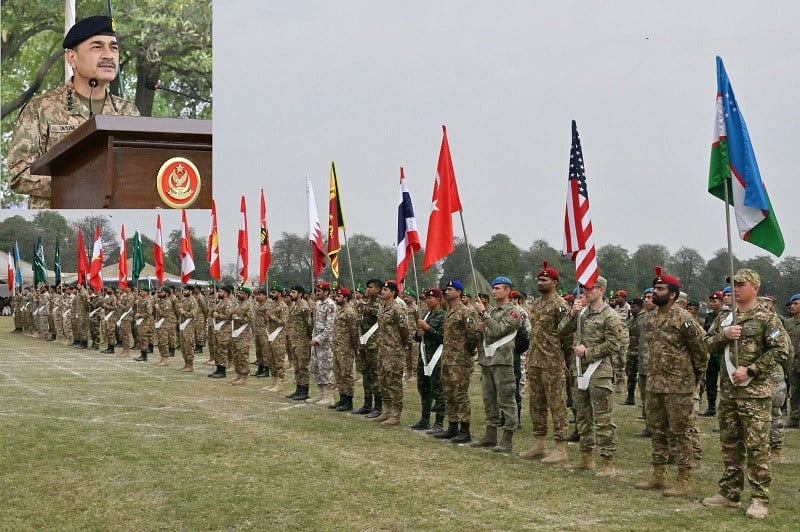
{"type": "Point", "coordinates": [88, 27]}
{"type": "Point", "coordinates": [501, 280]}
{"type": "Point", "coordinates": [726, 290]}
{"type": "Point", "coordinates": [648, 291]}
{"type": "Point", "coordinates": [455, 283]}
{"type": "Point", "coordinates": [795, 297]}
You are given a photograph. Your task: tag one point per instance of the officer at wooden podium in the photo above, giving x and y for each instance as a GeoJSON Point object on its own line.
{"type": "Point", "coordinates": [91, 49]}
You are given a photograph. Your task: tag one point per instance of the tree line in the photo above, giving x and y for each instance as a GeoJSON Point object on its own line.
{"type": "Point", "coordinates": [291, 260]}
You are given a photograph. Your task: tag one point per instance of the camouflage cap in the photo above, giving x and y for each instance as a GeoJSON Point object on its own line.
{"type": "Point", "coordinates": [746, 275]}
{"type": "Point", "coordinates": [601, 281]}
{"type": "Point", "coordinates": [88, 27]}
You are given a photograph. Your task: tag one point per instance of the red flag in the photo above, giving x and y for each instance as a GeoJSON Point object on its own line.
{"type": "Point", "coordinates": [578, 242]}
{"type": "Point", "coordinates": [314, 231]}
{"type": "Point", "coordinates": [335, 223]}
{"type": "Point", "coordinates": [445, 201]}
{"type": "Point", "coordinates": [212, 250]}
{"type": "Point", "coordinates": [158, 252]}
{"type": "Point", "coordinates": [10, 272]}
{"type": "Point", "coordinates": [187, 259]}
{"type": "Point", "coordinates": [242, 259]}
{"type": "Point", "coordinates": [96, 266]}
{"type": "Point", "coordinates": [123, 262]}
{"type": "Point", "coordinates": [266, 253]}
{"type": "Point", "coordinates": [407, 234]}
{"type": "Point", "coordinates": [83, 261]}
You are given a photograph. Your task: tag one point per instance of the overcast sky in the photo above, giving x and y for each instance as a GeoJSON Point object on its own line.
{"type": "Point", "coordinates": [368, 84]}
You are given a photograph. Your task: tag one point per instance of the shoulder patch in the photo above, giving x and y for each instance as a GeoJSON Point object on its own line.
{"type": "Point", "coordinates": [687, 325]}
{"type": "Point", "coordinates": [775, 334]}
{"type": "Point", "coordinates": [514, 315]}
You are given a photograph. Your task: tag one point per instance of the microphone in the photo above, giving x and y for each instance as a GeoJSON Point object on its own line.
{"type": "Point", "coordinates": [153, 85]}
{"type": "Point", "coordinates": [92, 84]}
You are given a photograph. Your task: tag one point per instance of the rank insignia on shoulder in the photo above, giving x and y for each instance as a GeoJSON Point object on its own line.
{"type": "Point", "coordinates": [687, 325]}
{"type": "Point", "coordinates": [775, 333]}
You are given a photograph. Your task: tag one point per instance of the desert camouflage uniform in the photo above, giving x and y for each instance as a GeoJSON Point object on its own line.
{"type": "Point", "coordinates": [624, 313]}
{"type": "Point", "coordinates": [27, 311]}
{"type": "Point", "coordinates": [163, 311]}
{"type": "Point", "coordinates": [461, 335]}
{"type": "Point", "coordinates": [66, 311]}
{"type": "Point", "coordinates": [260, 331]}
{"type": "Point", "coordinates": [298, 335]}
{"type": "Point", "coordinates": [80, 314]}
{"type": "Point", "coordinates": [393, 338]}
{"type": "Point", "coordinates": [345, 347]}
{"type": "Point", "coordinates": [275, 352]}
{"type": "Point", "coordinates": [222, 336]}
{"type": "Point", "coordinates": [109, 317]}
{"type": "Point", "coordinates": [545, 367]}
{"type": "Point", "coordinates": [200, 329]}
{"type": "Point", "coordinates": [678, 358]}
{"type": "Point", "coordinates": [368, 354]}
{"type": "Point", "coordinates": [498, 383]}
{"type": "Point", "coordinates": [321, 363]}
{"type": "Point", "coordinates": [58, 315]}
{"type": "Point", "coordinates": [745, 411]}
{"type": "Point", "coordinates": [124, 317]}
{"type": "Point", "coordinates": [43, 314]}
{"type": "Point", "coordinates": [187, 318]}
{"type": "Point", "coordinates": [644, 359]}
{"type": "Point", "coordinates": [144, 312]}
{"type": "Point", "coordinates": [601, 333]}
{"type": "Point", "coordinates": [241, 316]}
{"type": "Point", "coordinates": [44, 121]}
{"type": "Point", "coordinates": [95, 317]}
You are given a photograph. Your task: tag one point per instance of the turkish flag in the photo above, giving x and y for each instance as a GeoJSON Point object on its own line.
{"type": "Point", "coordinates": [445, 201]}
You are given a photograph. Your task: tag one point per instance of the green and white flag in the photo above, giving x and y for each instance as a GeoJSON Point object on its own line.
{"type": "Point", "coordinates": [138, 257]}
{"type": "Point", "coordinates": [57, 264]}
{"type": "Point", "coordinates": [39, 269]}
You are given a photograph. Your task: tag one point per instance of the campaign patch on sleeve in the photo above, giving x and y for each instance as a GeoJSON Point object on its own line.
{"type": "Point", "coordinates": [514, 315]}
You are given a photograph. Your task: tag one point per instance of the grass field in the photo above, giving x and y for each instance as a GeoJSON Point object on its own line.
{"type": "Point", "coordinates": [95, 442]}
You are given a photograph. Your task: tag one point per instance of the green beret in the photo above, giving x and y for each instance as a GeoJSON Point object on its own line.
{"type": "Point", "coordinates": [88, 27]}
{"type": "Point", "coordinates": [166, 288]}
{"type": "Point", "coordinates": [410, 292]}
{"type": "Point", "coordinates": [277, 286]}
{"type": "Point", "coordinates": [228, 288]}
{"type": "Point", "coordinates": [245, 290]}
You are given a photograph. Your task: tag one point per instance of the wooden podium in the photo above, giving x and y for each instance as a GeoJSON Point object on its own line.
{"type": "Point", "coordinates": [114, 162]}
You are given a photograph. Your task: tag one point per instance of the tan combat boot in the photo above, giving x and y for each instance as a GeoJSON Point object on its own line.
{"type": "Point", "coordinates": [210, 362]}
{"type": "Point", "coordinates": [657, 480]}
{"type": "Point", "coordinates": [187, 368]}
{"type": "Point", "coordinates": [327, 395]}
{"type": "Point", "coordinates": [775, 454]}
{"type": "Point", "coordinates": [681, 488]}
{"type": "Point", "coordinates": [320, 394]}
{"type": "Point", "coordinates": [386, 413]}
{"type": "Point", "coordinates": [278, 387]}
{"type": "Point", "coordinates": [538, 450]}
{"type": "Point", "coordinates": [558, 455]}
{"type": "Point", "coordinates": [757, 509]}
{"type": "Point", "coordinates": [489, 439]}
{"type": "Point", "coordinates": [268, 387]}
{"type": "Point", "coordinates": [163, 362]}
{"type": "Point", "coordinates": [586, 462]}
{"type": "Point", "coordinates": [505, 444]}
{"type": "Point", "coordinates": [393, 420]}
{"type": "Point", "coordinates": [607, 469]}
{"type": "Point", "coordinates": [240, 380]}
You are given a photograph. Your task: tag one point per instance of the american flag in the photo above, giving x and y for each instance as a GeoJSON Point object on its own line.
{"type": "Point", "coordinates": [578, 243]}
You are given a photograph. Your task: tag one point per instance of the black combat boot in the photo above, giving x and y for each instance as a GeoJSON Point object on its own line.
{"type": "Point", "coordinates": [463, 435]}
{"type": "Point", "coordinates": [219, 373]}
{"type": "Point", "coordinates": [84, 344]}
{"type": "Point", "coordinates": [261, 371]}
{"type": "Point", "coordinates": [172, 351]}
{"type": "Point", "coordinates": [142, 356]}
{"type": "Point", "coordinates": [438, 419]}
{"type": "Point", "coordinates": [337, 404]}
{"type": "Point", "coordinates": [109, 350]}
{"type": "Point", "coordinates": [450, 433]}
{"type": "Point", "coordinates": [149, 348]}
{"type": "Point", "coordinates": [424, 422]}
{"type": "Point", "coordinates": [303, 394]}
{"type": "Point", "coordinates": [347, 404]}
{"type": "Point", "coordinates": [294, 393]}
{"type": "Point", "coordinates": [366, 408]}
{"type": "Point", "coordinates": [377, 409]}
{"type": "Point", "coordinates": [198, 348]}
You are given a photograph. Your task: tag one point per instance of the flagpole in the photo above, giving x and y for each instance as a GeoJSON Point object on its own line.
{"type": "Point", "coordinates": [416, 282]}
{"type": "Point", "coordinates": [469, 253]}
{"type": "Point", "coordinates": [730, 264]}
{"type": "Point", "coordinates": [349, 262]}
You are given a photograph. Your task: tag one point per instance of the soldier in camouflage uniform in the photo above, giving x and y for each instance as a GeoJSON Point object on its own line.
{"type": "Point", "coordinates": [143, 316]}
{"type": "Point", "coordinates": [221, 313]}
{"type": "Point", "coordinates": [745, 394]}
{"type": "Point", "coordinates": [780, 369]}
{"type": "Point", "coordinates": [545, 369]}
{"type": "Point", "coordinates": [678, 358]}
{"type": "Point", "coordinates": [187, 320]}
{"type": "Point", "coordinates": [599, 340]}
{"type": "Point", "coordinates": [57, 313]}
{"type": "Point", "coordinates": [95, 317]}
{"type": "Point", "coordinates": [644, 358]}
{"type": "Point", "coordinates": [242, 335]}
{"type": "Point", "coordinates": [298, 329]}
{"type": "Point", "coordinates": [164, 321]}
{"type": "Point", "coordinates": [275, 352]}
{"type": "Point", "coordinates": [125, 308]}
{"type": "Point", "coordinates": [496, 359]}
{"type": "Point", "coordinates": [66, 312]}
{"type": "Point", "coordinates": [632, 356]}
{"type": "Point", "coordinates": [430, 333]}
{"type": "Point", "coordinates": [345, 347]}
{"type": "Point", "coordinates": [792, 325]}
{"type": "Point", "coordinates": [461, 336]}
{"type": "Point", "coordinates": [91, 50]}
{"type": "Point", "coordinates": [16, 305]}
{"type": "Point", "coordinates": [413, 312]}
{"type": "Point", "coordinates": [260, 307]}
{"type": "Point", "coordinates": [623, 309]}
{"type": "Point", "coordinates": [43, 312]}
{"type": "Point", "coordinates": [393, 338]}
{"type": "Point", "coordinates": [27, 311]}
{"type": "Point", "coordinates": [368, 351]}
{"type": "Point", "coordinates": [321, 362]}
{"type": "Point", "coordinates": [108, 325]}
{"type": "Point", "coordinates": [712, 371]}
{"type": "Point", "coordinates": [80, 317]}
{"type": "Point", "coordinates": [200, 329]}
